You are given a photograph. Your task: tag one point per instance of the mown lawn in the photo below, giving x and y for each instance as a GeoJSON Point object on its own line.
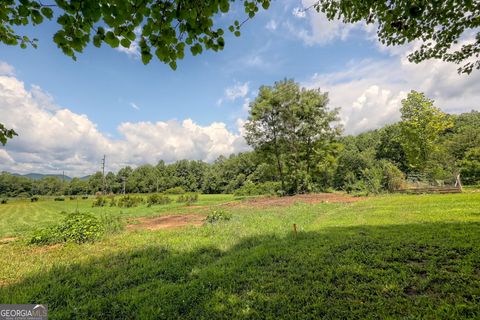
{"type": "Point", "coordinates": [20, 216]}
{"type": "Point", "coordinates": [415, 257]}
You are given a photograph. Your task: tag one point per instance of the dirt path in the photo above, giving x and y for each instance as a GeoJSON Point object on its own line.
{"type": "Point", "coordinates": [264, 202]}
{"type": "Point", "coordinates": [181, 220]}
{"type": "Point", "coordinates": [167, 222]}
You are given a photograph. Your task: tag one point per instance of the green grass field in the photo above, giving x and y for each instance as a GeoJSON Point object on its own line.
{"type": "Point", "coordinates": [20, 216]}
{"type": "Point", "coordinates": [397, 256]}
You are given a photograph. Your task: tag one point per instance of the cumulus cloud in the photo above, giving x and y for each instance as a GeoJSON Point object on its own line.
{"type": "Point", "coordinates": [53, 139]}
{"type": "Point", "coordinates": [6, 69]}
{"type": "Point", "coordinates": [370, 92]}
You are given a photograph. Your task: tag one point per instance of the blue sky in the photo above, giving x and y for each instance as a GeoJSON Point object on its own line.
{"type": "Point", "coordinates": [138, 112]}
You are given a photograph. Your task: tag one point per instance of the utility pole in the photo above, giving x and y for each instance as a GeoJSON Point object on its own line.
{"type": "Point", "coordinates": [63, 182]}
{"type": "Point", "coordinates": [104, 191]}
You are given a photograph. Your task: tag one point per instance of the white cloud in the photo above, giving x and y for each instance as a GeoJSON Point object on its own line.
{"type": "Point", "coordinates": [57, 139]}
{"type": "Point", "coordinates": [319, 29]}
{"type": "Point", "coordinates": [271, 25]}
{"type": "Point", "coordinates": [6, 69]}
{"type": "Point", "coordinates": [299, 12]}
{"type": "Point", "coordinates": [134, 106]}
{"type": "Point", "coordinates": [370, 92]}
{"type": "Point", "coordinates": [237, 91]}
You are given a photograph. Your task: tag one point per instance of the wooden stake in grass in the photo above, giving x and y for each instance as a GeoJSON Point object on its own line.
{"type": "Point", "coordinates": [295, 230]}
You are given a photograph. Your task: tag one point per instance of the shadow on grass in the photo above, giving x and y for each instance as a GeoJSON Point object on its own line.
{"type": "Point", "coordinates": [407, 271]}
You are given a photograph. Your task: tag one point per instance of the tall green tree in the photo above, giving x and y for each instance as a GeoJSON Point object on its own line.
{"type": "Point", "coordinates": [421, 126]}
{"type": "Point", "coordinates": [292, 126]}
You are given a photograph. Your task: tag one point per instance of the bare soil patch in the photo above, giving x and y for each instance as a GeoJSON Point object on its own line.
{"type": "Point", "coordinates": [300, 198]}
{"type": "Point", "coordinates": [7, 240]}
{"type": "Point", "coordinates": [181, 220]}
{"type": "Point", "coordinates": [167, 222]}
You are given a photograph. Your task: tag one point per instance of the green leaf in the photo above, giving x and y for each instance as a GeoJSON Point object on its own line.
{"type": "Point", "coordinates": [146, 57]}
{"type": "Point", "coordinates": [47, 12]}
{"type": "Point", "coordinates": [125, 43]}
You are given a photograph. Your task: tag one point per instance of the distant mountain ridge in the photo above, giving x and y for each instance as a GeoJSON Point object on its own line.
{"type": "Point", "coordinates": [38, 176]}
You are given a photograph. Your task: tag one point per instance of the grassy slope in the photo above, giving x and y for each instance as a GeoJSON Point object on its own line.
{"type": "Point", "coordinates": [392, 256]}
{"type": "Point", "coordinates": [18, 217]}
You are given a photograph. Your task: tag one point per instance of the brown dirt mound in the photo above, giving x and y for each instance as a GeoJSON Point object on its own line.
{"type": "Point", "coordinates": [303, 198]}
{"type": "Point", "coordinates": [167, 222]}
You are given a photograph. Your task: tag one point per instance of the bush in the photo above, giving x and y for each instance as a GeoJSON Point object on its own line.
{"type": "Point", "coordinates": [4, 201]}
{"type": "Point", "coordinates": [253, 189]}
{"type": "Point", "coordinates": [155, 199]}
{"type": "Point", "coordinates": [176, 190]}
{"type": "Point", "coordinates": [59, 199]}
{"type": "Point", "coordinates": [111, 224]}
{"type": "Point", "coordinates": [72, 198]}
{"type": "Point", "coordinates": [218, 215]}
{"type": "Point", "coordinates": [393, 178]}
{"type": "Point", "coordinates": [188, 198]}
{"type": "Point", "coordinates": [129, 201]}
{"type": "Point", "coordinates": [84, 197]}
{"type": "Point", "coordinates": [76, 227]}
{"type": "Point", "coordinates": [34, 199]}
{"type": "Point", "coordinates": [470, 167]}
{"type": "Point", "coordinates": [99, 202]}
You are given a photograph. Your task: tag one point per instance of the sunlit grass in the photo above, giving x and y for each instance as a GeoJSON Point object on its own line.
{"type": "Point", "coordinates": [400, 256]}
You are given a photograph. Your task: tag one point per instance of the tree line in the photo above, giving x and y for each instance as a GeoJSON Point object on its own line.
{"type": "Point", "coordinates": [298, 147]}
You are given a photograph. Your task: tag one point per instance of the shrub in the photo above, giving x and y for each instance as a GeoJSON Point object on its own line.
{"type": "Point", "coordinates": [59, 199]}
{"type": "Point", "coordinates": [175, 190]}
{"type": "Point", "coordinates": [373, 179]}
{"type": "Point", "coordinates": [4, 201]}
{"type": "Point", "coordinates": [253, 189]}
{"type": "Point", "coordinates": [72, 198]}
{"type": "Point", "coordinates": [111, 224]}
{"type": "Point", "coordinates": [99, 202]}
{"type": "Point", "coordinates": [76, 227]}
{"type": "Point", "coordinates": [113, 202]}
{"type": "Point", "coordinates": [155, 198]}
{"type": "Point", "coordinates": [470, 167]}
{"type": "Point", "coordinates": [84, 197]}
{"type": "Point", "coordinates": [34, 199]}
{"type": "Point", "coordinates": [218, 215]}
{"type": "Point", "coordinates": [129, 201]}
{"type": "Point", "coordinates": [393, 178]}
{"type": "Point", "coordinates": [188, 198]}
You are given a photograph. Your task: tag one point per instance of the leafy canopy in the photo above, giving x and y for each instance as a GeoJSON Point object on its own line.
{"type": "Point", "coordinates": [437, 24]}
{"type": "Point", "coordinates": [163, 28]}
{"type": "Point", "coordinates": [294, 127]}
{"type": "Point", "coordinates": [166, 27]}
{"type": "Point", "coordinates": [421, 126]}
